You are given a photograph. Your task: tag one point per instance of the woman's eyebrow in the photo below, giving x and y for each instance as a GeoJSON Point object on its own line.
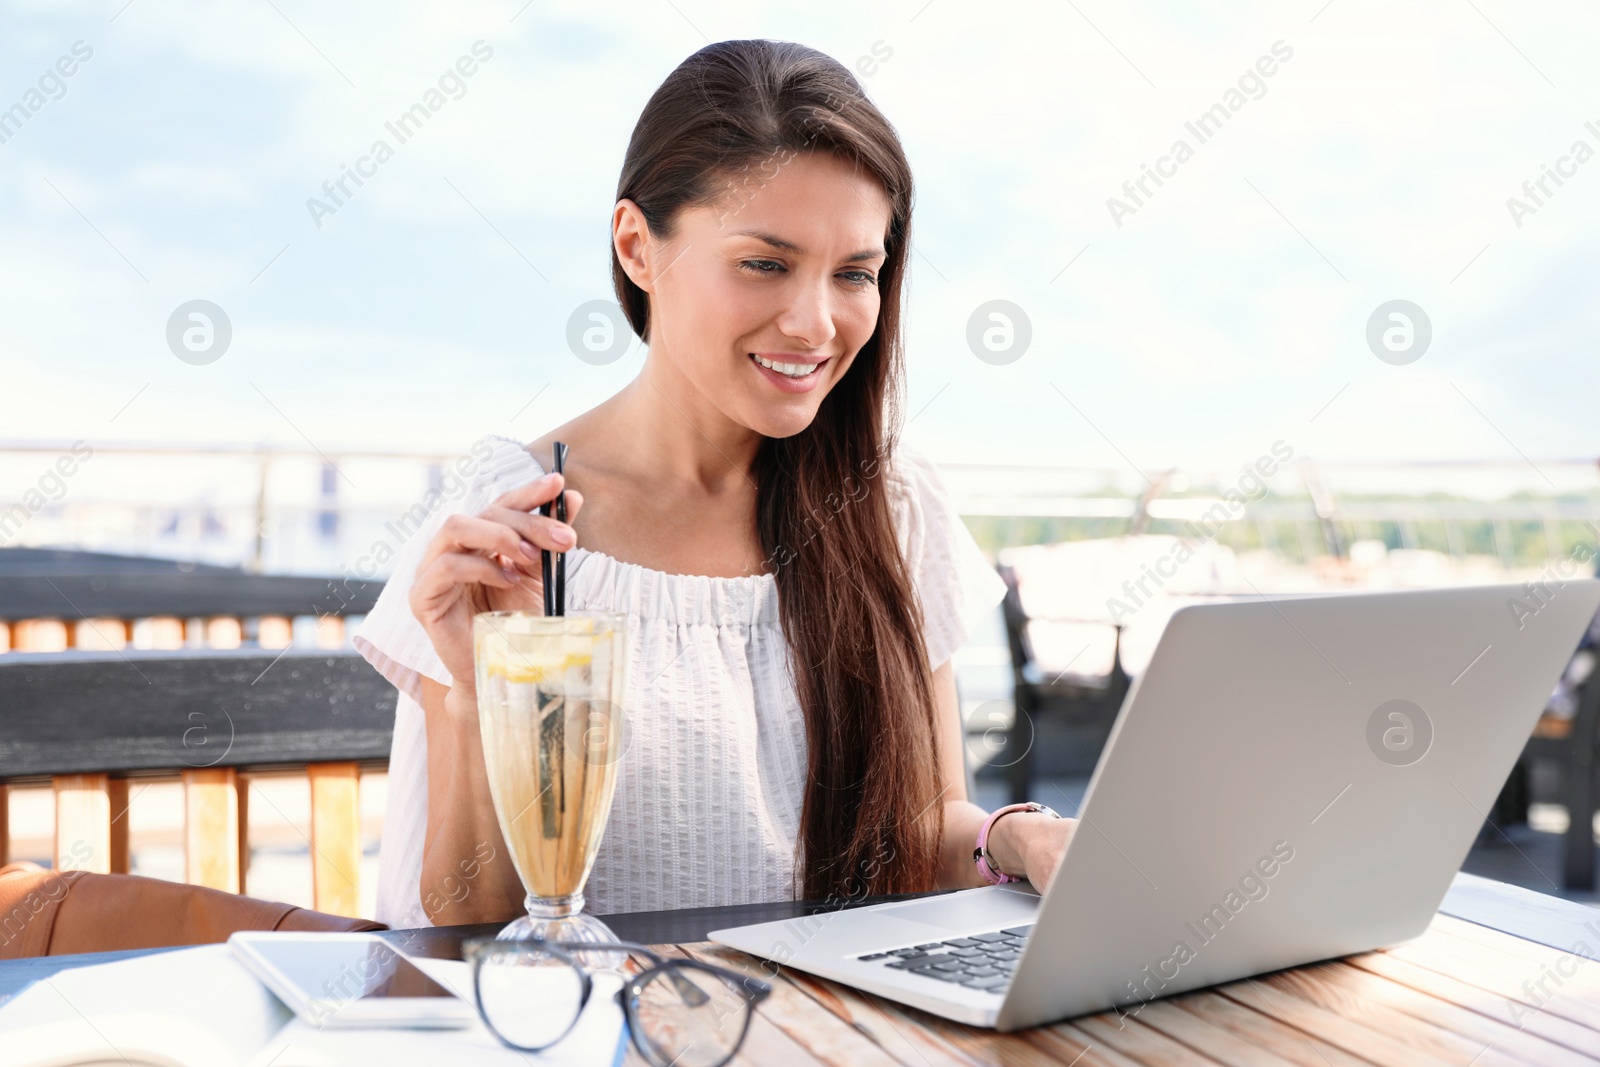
{"type": "Point", "coordinates": [789, 246]}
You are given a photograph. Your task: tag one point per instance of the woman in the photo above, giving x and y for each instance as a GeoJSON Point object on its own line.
{"type": "Point", "coordinates": [795, 581]}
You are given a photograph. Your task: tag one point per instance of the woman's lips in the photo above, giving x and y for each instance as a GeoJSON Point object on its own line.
{"type": "Point", "coordinates": [785, 382]}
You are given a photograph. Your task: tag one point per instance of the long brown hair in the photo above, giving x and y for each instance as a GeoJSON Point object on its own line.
{"type": "Point", "coordinates": [720, 125]}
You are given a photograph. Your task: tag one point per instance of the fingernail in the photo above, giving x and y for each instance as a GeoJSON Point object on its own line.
{"type": "Point", "coordinates": [529, 550]}
{"type": "Point", "coordinates": [511, 575]}
{"type": "Point", "coordinates": [563, 535]}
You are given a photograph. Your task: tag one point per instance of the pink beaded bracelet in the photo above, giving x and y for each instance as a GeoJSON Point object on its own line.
{"type": "Point", "coordinates": [980, 855]}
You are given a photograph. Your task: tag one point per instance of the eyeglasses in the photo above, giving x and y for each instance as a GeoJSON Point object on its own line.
{"type": "Point", "coordinates": [680, 1012]}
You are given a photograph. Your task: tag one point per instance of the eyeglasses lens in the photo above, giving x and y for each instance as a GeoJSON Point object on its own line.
{"type": "Point", "coordinates": [531, 997]}
{"type": "Point", "coordinates": [690, 1017]}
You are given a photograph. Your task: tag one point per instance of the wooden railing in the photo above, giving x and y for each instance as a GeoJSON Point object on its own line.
{"type": "Point", "coordinates": [117, 669]}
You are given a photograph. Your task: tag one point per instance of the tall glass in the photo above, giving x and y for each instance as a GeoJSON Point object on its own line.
{"type": "Point", "coordinates": [550, 694]}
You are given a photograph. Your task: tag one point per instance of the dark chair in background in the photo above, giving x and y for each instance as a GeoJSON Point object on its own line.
{"type": "Point", "coordinates": [1090, 703]}
{"type": "Point", "coordinates": [1570, 743]}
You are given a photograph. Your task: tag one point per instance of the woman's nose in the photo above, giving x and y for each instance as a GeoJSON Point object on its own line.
{"type": "Point", "coordinates": [809, 317]}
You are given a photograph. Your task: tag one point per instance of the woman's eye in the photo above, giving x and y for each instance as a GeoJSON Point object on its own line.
{"type": "Point", "coordinates": [860, 279]}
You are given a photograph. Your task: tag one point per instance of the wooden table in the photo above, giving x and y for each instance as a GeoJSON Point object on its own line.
{"type": "Point", "coordinates": [1502, 976]}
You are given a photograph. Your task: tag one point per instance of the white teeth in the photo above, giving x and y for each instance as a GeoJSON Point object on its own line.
{"type": "Point", "coordinates": [793, 370]}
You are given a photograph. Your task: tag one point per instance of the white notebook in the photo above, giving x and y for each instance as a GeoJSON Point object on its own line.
{"type": "Point", "coordinates": [198, 1007]}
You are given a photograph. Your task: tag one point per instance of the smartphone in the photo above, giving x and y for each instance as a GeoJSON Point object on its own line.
{"type": "Point", "coordinates": [349, 980]}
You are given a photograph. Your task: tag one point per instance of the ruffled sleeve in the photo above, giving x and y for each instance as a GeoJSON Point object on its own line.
{"type": "Point", "coordinates": [956, 584]}
{"type": "Point", "coordinates": [390, 637]}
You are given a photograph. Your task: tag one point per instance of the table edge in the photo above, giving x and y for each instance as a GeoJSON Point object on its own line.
{"type": "Point", "coordinates": [1566, 925]}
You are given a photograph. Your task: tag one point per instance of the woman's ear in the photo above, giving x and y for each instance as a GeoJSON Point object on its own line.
{"type": "Point", "coordinates": [635, 248]}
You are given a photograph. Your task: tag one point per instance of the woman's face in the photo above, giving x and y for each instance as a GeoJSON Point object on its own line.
{"type": "Point", "coordinates": [781, 268]}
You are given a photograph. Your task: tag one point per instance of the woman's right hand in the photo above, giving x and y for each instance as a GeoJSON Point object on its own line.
{"type": "Point", "coordinates": [488, 562]}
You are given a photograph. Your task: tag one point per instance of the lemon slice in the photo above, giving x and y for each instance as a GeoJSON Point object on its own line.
{"type": "Point", "coordinates": [524, 670]}
{"type": "Point", "coordinates": [519, 673]}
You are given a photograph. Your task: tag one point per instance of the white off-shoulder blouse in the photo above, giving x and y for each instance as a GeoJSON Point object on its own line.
{"type": "Point", "coordinates": [708, 795]}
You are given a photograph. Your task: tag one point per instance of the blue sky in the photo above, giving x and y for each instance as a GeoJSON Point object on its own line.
{"type": "Point", "coordinates": [1228, 312]}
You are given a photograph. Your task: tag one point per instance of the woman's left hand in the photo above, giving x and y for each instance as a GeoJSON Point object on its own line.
{"type": "Point", "coordinates": [1030, 844]}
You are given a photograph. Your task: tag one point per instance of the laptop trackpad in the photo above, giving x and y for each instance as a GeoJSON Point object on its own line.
{"type": "Point", "coordinates": [970, 911]}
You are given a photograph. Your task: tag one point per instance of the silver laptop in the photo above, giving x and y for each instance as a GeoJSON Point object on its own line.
{"type": "Point", "coordinates": [1291, 779]}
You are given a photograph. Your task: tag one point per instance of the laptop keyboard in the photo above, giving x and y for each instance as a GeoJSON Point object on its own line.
{"type": "Point", "coordinates": [981, 961]}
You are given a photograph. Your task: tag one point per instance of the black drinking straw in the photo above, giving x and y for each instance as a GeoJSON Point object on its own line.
{"type": "Point", "coordinates": [561, 515]}
{"type": "Point", "coordinates": [544, 563]}
{"type": "Point", "coordinates": [544, 553]}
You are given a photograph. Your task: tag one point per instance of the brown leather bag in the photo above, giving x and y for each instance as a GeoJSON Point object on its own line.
{"type": "Point", "coordinates": [50, 913]}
